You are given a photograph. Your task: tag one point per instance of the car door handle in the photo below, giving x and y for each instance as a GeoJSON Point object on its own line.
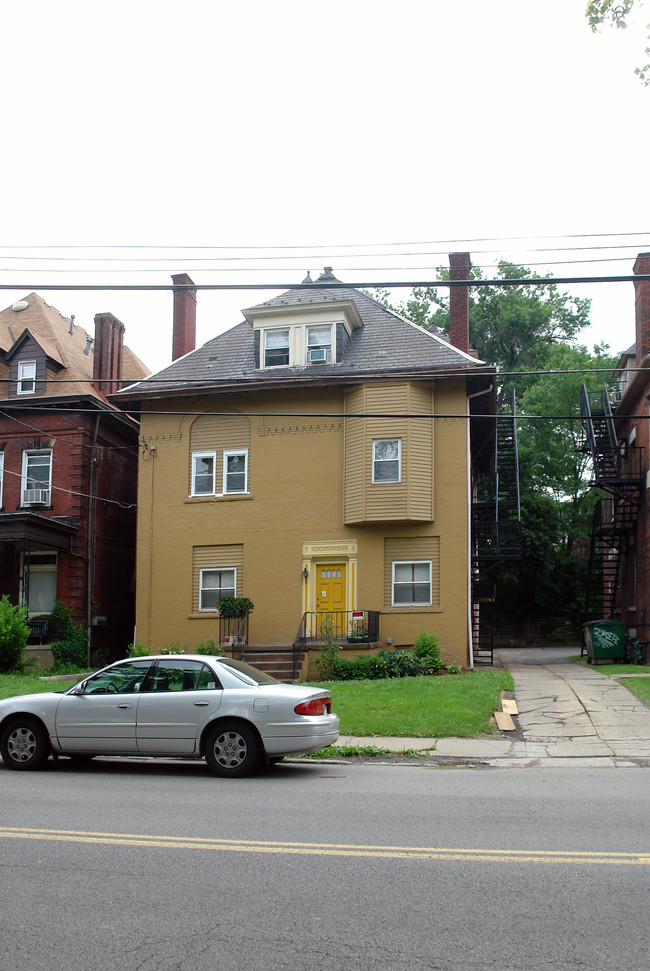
{"type": "Point", "coordinates": [200, 704]}
{"type": "Point", "coordinates": [125, 706]}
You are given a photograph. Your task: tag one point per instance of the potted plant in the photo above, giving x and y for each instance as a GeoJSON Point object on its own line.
{"type": "Point", "coordinates": [235, 606]}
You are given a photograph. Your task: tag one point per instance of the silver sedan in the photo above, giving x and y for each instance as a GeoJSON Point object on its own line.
{"type": "Point", "coordinates": [186, 706]}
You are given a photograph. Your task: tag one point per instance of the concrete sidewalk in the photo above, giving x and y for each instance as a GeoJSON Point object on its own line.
{"type": "Point", "coordinates": [567, 712]}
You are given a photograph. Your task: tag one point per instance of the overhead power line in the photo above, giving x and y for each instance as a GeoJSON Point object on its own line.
{"type": "Point", "coordinates": [365, 284]}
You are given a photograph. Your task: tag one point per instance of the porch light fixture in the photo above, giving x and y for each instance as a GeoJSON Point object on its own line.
{"type": "Point", "coordinates": [305, 573]}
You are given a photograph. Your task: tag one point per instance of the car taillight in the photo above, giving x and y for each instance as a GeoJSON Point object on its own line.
{"type": "Point", "coordinates": [317, 706]}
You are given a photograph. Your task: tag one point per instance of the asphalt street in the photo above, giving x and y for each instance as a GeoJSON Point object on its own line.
{"type": "Point", "coordinates": [157, 866]}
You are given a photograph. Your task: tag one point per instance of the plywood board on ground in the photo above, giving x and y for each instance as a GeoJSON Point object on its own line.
{"type": "Point", "coordinates": [504, 721]}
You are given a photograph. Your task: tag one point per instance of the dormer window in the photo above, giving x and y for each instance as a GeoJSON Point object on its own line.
{"type": "Point", "coordinates": [26, 377]}
{"type": "Point", "coordinates": [319, 344]}
{"type": "Point", "coordinates": [276, 348]}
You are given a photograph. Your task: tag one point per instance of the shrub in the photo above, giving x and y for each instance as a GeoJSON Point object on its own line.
{"type": "Point", "coordinates": [208, 646]}
{"type": "Point", "coordinates": [137, 650]}
{"type": "Point", "coordinates": [427, 650]}
{"type": "Point", "coordinates": [372, 667]}
{"type": "Point", "coordinates": [14, 632]}
{"type": "Point", "coordinates": [69, 640]}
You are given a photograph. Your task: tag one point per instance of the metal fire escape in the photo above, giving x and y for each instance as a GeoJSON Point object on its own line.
{"type": "Point", "coordinates": [496, 529]}
{"type": "Point", "coordinates": [616, 474]}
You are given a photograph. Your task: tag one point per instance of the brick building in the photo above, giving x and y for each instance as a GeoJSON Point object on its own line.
{"type": "Point", "coordinates": [68, 473]}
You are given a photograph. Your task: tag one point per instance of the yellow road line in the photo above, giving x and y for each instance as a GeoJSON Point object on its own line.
{"type": "Point", "coordinates": [327, 849]}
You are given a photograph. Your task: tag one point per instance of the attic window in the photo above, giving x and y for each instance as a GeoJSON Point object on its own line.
{"type": "Point", "coordinates": [26, 377]}
{"type": "Point", "coordinates": [276, 348]}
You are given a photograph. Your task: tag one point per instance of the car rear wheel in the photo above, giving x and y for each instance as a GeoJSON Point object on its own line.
{"type": "Point", "coordinates": [232, 749]}
{"type": "Point", "coordinates": [24, 745]}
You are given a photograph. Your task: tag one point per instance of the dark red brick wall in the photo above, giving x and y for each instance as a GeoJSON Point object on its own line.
{"type": "Point", "coordinates": [105, 527]}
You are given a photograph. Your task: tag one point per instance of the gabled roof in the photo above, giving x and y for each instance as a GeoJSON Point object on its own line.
{"type": "Point", "coordinates": [69, 347]}
{"type": "Point", "coordinates": [386, 345]}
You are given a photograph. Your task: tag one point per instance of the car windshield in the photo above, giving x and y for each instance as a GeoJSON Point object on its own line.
{"type": "Point", "coordinates": [246, 672]}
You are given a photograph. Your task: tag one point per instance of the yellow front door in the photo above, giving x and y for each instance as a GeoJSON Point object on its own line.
{"type": "Point", "coordinates": [330, 587]}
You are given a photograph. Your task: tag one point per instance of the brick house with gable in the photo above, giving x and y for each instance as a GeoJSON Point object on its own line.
{"type": "Point", "coordinates": [68, 474]}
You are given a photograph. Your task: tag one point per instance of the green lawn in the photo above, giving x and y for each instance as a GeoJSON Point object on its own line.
{"type": "Point", "coordinates": [458, 705]}
{"type": "Point", "coordinates": [28, 684]}
{"type": "Point", "coordinates": [639, 687]}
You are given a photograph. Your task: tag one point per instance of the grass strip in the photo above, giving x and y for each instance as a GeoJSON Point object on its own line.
{"type": "Point", "coordinates": [451, 705]}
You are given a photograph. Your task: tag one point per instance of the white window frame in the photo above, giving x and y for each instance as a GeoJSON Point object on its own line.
{"type": "Point", "coordinates": [309, 345]}
{"type": "Point", "coordinates": [375, 460]}
{"type": "Point", "coordinates": [204, 589]}
{"type": "Point", "coordinates": [265, 335]}
{"type": "Point", "coordinates": [200, 456]}
{"type": "Point", "coordinates": [26, 383]}
{"type": "Point", "coordinates": [412, 603]}
{"type": "Point", "coordinates": [232, 453]}
{"type": "Point", "coordinates": [39, 484]}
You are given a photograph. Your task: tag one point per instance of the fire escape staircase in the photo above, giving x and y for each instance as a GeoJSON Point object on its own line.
{"type": "Point", "coordinates": [616, 474]}
{"type": "Point", "coordinates": [496, 530]}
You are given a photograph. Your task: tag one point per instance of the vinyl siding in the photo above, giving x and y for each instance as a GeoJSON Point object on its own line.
{"type": "Point", "coordinates": [215, 558]}
{"type": "Point", "coordinates": [412, 548]}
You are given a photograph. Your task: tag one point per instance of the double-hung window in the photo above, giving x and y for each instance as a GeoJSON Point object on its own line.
{"type": "Point", "coordinates": [37, 477]}
{"type": "Point", "coordinates": [204, 473]}
{"type": "Point", "coordinates": [412, 583]}
{"type": "Point", "coordinates": [387, 460]}
{"type": "Point", "coordinates": [319, 344]}
{"type": "Point", "coordinates": [26, 377]}
{"type": "Point", "coordinates": [215, 584]}
{"type": "Point", "coordinates": [235, 471]}
{"type": "Point", "coordinates": [276, 348]}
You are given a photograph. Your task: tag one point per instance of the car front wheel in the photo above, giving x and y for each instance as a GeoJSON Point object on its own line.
{"type": "Point", "coordinates": [24, 745]}
{"type": "Point", "coordinates": [232, 750]}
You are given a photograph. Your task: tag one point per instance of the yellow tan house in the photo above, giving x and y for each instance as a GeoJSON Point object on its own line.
{"type": "Point", "coordinates": [319, 458]}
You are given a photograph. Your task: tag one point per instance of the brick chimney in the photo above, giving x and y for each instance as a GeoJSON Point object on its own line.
{"type": "Point", "coordinates": [184, 331]}
{"type": "Point", "coordinates": [459, 267]}
{"type": "Point", "coordinates": [107, 354]}
{"type": "Point", "coordinates": [642, 307]}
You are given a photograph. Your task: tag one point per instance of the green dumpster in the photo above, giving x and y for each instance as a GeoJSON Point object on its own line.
{"type": "Point", "coordinates": [605, 640]}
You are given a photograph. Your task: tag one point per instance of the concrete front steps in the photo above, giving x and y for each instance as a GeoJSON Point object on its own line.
{"type": "Point", "coordinates": [274, 659]}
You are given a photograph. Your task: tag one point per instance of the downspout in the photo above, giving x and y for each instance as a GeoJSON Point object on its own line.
{"type": "Point", "coordinates": [470, 640]}
{"type": "Point", "coordinates": [90, 538]}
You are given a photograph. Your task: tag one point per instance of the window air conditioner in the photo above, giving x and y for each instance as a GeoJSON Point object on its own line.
{"type": "Point", "coordinates": [36, 497]}
{"type": "Point", "coordinates": [318, 355]}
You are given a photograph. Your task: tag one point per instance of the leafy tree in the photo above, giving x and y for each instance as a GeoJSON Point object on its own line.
{"type": "Point", "coordinates": [616, 13]}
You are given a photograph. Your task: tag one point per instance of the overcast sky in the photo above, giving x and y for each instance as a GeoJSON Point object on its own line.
{"type": "Point", "coordinates": [334, 128]}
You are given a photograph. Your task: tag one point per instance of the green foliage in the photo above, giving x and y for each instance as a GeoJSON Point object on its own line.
{"type": "Point", "coordinates": [235, 606]}
{"type": "Point", "coordinates": [137, 650]}
{"type": "Point", "coordinates": [454, 668]}
{"type": "Point", "coordinates": [615, 13]}
{"type": "Point", "coordinates": [69, 641]}
{"type": "Point", "coordinates": [383, 664]}
{"type": "Point", "coordinates": [209, 646]}
{"type": "Point", "coordinates": [329, 653]}
{"type": "Point", "coordinates": [174, 648]}
{"type": "Point", "coordinates": [14, 632]}
{"type": "Point", "coordinates": [427, 649]}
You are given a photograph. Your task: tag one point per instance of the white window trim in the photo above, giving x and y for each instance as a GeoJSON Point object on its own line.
{"type": "Point", "coordinates": [23, 377]}
{"type": "Point", "coordinates": [276, 330]}
{"type": "Point", "coordinates": [418, 603]}
{"type": "Point", "coordinates": [24, 477]}
{"type": "Point", "coordinates": [204, 455]}
{"type": "Point", "coordinates": [226, 454]}
{"type": "Point", "coordinates": [298, 344]}
{"type": "Point", "coordinates": [214, 569]}
{"type": "Point", "coordinates": [375, 442]}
